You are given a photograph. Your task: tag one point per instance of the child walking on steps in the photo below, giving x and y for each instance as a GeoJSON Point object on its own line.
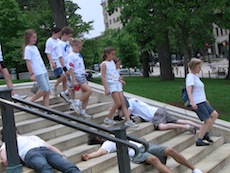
{"type": "Point", "coordinates": [110, 80]}
{"type": "Point", "coordinates": [36, 67]}
{"type": "Point", "coordinates": [77, 72]}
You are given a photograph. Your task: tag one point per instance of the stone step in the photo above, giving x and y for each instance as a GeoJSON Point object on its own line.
{"type": "Point", "coordinates": [216, 160]}
{"type": "Point", "coordinates": [225, 169]}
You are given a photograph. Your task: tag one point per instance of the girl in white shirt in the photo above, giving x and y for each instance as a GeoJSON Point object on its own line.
{"type": "Point", "coordinates": [36, 66]}
{"type": "Point", "coordinates": [112, 85]}
{"type": "Point", "coordinates": [199, 103]}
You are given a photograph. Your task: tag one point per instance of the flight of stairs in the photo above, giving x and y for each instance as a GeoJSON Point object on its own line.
{"type": "Point", "coordinates": [73, 143]}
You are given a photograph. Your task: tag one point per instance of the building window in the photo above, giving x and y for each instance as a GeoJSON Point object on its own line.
{"type": "Point", "coordinates": [110, 21]}
{"type": "Point", "coordinates": [221, 31]}
{"type": "Point", "coordinates": [114, 20]}
{"type": "Point", "coordinates": [217, 32]}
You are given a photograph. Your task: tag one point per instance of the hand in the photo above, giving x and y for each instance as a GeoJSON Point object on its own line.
{"type": "Point", "coordinates": [194, 106]}
{"type": "Point", "coordinates": [54, 66]}
{"type": "Point", "coordinates": [107, 92]}
{"type": "Point", "coordinates": [32, 77]}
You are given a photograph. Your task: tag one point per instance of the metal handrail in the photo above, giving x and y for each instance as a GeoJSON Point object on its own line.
{"type": "Point", "coordinates": [69, 123]}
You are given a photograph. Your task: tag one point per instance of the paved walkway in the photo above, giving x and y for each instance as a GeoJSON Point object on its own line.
{"type": "Point", "coordinates": [207, 70]}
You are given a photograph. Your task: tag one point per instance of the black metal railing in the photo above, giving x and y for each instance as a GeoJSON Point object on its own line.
{"type": "Point", "coordinates": [71, 121]}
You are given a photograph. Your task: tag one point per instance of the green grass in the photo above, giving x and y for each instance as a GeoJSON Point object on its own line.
{"type": "Point", "coordinates": [217, 91]}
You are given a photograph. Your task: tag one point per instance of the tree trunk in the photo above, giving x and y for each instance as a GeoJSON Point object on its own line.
{"type": "Point", "coordinates": [228, 75]}
{"type": "Point", "coordinates": [187, 57]}
{"type": "Point", "coordinates": [165, 59]}
{"type": "Point", "coordinates": [145, 63]}
{"type": "Point", "coordinates": [58, 11]}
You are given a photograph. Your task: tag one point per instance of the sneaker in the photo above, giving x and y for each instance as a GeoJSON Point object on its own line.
{"type": "Point", "coordinates": [192, 129]}
{"type": "Point", "coordinates": [71, 107]}
{"type": "Point", "coordinates": [76, 107]}
{"type": "Point", "coordinates": [201, 143]}
{"type": "Point", "coordinates": [130, 123]}
{"type": "Point", "coordinates": [17, 96]}
{"type": "Point", "coordinates": [109, 121]}
{"type": "Point", "coordinates": [207, 138]}
{"type": "Point", "coordinates": [87, 116]}
{"type": "Point", "coordinates": [196, 171]}
{"type": "Point", "coordinates": [53, 91]}
{"type": "Point", "coordinates": [65, 96]}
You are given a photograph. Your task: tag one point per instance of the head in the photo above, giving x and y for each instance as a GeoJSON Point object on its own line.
{"type": "Point", "coordinates": [76, 44]}
{"type": "Point", "coordinates": [30, 37]}
{"type": "Point", "coordinates": [195, 65]}
{"type": "Point", "coordinates": [117, 62]}
{"type": "Point", "coordinates": [56, 32]}
{"type": "Point", "coordinates": [66, 33]}
{"type": "Point", "coordinates": [108, 53]}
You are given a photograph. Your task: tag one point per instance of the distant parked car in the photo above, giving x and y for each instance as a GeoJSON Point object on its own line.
{"type": "Point", "coordinates": [93, 74]}
{"type": "Point", "coordinates": [177, 60]}
{"type": "Point", "coordinates": [125, 71]}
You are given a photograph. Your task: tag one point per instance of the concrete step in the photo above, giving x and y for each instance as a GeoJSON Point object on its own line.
{"type": "Point", "coordinates": [225, 169]}
{"type": "Point", "coordinates": [216, 160]}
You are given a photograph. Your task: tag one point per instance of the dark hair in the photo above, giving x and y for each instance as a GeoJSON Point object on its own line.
{"type": "Point", "coordinates": [106, 51]}
{"type": "Point", "coordinates": [55, 30]}
{"type": "Point", "coordinates": [67, 30]}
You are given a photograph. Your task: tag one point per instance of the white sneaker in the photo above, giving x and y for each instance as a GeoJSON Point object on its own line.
{"type": "Point", "coordinates": [87, 116]}
{"type": "Point", "coordinates": [130, 123]}
{"type": "Point", "coordinates": [17, 96]}
{"type": "Point", "coordinates": [196, 171]}
{"type": "Point", "coordinates": [65, 96]}
{"type": "Point", "coordinates": [109, 121]}
{"type": "Point", "coordinates": [71, 107]}
{"type": "Point", "coordinates": [76, 107]}
{"type": "Point", "coordinates": [53, 91]}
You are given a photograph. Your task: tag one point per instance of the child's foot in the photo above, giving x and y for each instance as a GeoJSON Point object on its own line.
{"type": "Point", "coordinates": [109, 121]}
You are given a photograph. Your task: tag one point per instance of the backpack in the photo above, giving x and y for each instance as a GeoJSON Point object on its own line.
{"type": "Point", "coordinates": [184, 96]}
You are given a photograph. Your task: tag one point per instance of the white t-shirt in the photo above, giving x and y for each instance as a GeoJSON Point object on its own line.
{"type": "Point", "coordinates": [76, 63]}
{"type": "Point", "coordinates": [26, 143]}
{"type": "Point", "coordinates": [1, 57]}
{"type": "Point", "coordinates": [110, 147]}
{"type": "Point", "coordinates": [32, 53]}
{"type": "Point", "coordinates": [111, 74]}
{"type": "Point", "coordinates": [65, 49]}
{"type": "Point", "coordinates": [141, 109]}
{"type": "Point", "coordinates": [54, 50]}
{"type": "Point", "coordinates": [198, 92]}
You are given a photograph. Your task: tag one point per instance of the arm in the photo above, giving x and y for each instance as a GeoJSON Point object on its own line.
{"type": "Point", "coordinates": [94, 154]}
{"type": "Point", "coordinates": [54, 149]}
{"type": "Point", "coordinates": [73, 77]}
{"type": "Point", "coordinates": [3, 157]}
{"type": "Point", "coordinates": [189, 91]}
{"type": "Point", "coordinates": [28, 65]}
{"type": "Point", "coordinates": [52, 63]}
{"type": "Point", "coordinates": [103, 70]}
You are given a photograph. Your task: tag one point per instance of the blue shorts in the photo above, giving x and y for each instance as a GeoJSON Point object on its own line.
{"type": "Point", "coordinates": [43, 82]}
{"type": "Point", "coordinates": [204, 110]}
{"type": "Point", "coordinates": [81, 79]}
{"type": "Point", "coordinates": [58, 72]}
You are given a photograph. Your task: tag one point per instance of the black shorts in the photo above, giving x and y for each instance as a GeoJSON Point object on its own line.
{"type": "Point", "coordinates": [2, 64]}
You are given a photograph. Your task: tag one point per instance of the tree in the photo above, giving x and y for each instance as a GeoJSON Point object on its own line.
{"type": "Point", "coordinates": [58, 10]}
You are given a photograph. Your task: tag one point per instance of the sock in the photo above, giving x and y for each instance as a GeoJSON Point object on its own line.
{"type": "Point", "coordinates": [206, 134]}
{"type": "Point", "coordinates": [82, 111]}
{"type": "Point", "coordinates": [78, 102]}
{"type": "Point", "coordinates": [66, 92]}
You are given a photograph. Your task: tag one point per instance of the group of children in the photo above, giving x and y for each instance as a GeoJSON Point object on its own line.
{"type": "Point", "coordinates": [65, 61]}
{"type": "Point", "coordinates": [63, 53]}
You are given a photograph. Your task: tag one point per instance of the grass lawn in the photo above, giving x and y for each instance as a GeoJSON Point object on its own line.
{"type": "Point", "coordinates": [217, 91]}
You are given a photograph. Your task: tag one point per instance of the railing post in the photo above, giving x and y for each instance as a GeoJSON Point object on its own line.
{"type": "Point", "coordinates": [9, 131]}
{"type": "Point", "coordinates": [122, 150]}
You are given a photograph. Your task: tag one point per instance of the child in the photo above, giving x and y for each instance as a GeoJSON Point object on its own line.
{"type": "Point", "coordinates": [77, 72]}
{"type": "Point", "coordinates": [36, 66]}
{"type": "Point", "coordinates": [66, 35]}
{"type": "Point", "coordinates": [54, 55]}
{"type": "Point", "coordinates": [6, 76]}
{"type": "Point", "coordinates": [110, 80]}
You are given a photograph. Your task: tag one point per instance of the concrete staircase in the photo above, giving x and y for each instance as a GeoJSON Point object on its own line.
{"type": "Point", "coordinates": [211, 159]}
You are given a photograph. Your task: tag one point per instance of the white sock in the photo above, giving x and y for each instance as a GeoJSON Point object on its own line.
{"type": "Point", "coordinates": [82, 111]}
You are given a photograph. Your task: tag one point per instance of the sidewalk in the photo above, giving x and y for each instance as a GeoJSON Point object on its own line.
{"type": "Point", "coordinates": [207, 70]}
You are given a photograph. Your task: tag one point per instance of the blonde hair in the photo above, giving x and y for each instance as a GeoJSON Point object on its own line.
{"type": "Point", "coordinates": [76, 41]}
{"type": "Point", "coordinates": [194, 62]}
{"type": "Point", "coordinates": [106, 51]}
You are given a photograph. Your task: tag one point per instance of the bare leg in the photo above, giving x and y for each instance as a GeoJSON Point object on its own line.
{"type": "Point", "coordinates": [116, 105]}
{"type": "Point", "coordinates": [173, 126]}
{"type": "Point", "coordinates": [46, 99]}
{"type": "Point", "coordinates": [180, 121]}
{"type": "Point", "coordinates": [205, 128]}
{"type": "Point", "coordinates": [213, 116]}
{"type": "Point", "coordinates": [87, 91]}
{"type": "Point", "coordinates": [178, 157]}
{"type": "Point", "coordinates": [156, 163]}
